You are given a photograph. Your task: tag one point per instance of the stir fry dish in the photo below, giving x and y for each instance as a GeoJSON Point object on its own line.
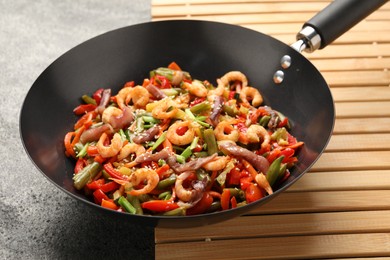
{"type": "Point", "coordinates": [178, 146]}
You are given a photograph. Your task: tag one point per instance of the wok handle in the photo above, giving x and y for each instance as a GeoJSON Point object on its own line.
{"type": "Point", "coordinates": [337, 18]}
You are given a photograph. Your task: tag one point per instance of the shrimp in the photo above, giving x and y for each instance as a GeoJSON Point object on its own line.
{"type": "Point", "coordinates": [111, 150]}
{"type": "Point", "coordinates": [253, 133]}
{"type": "Point", "coordinates": [182, 101]}
{"type": "Point", "coordinates": [218, 163]}
{"type": "Point", "coordinates": [225, 131]}
{"type": "Point", "coordinates": [189, 195]}
{"type": "Point", "coordinates": [252, 94]}
{"type": "Point", "coordinates": [178, 139]}
{"type": "Point", "coordinates": [218, 91]}
{"type": "Point", "coordinates": [233, 76]}
{"type": "Point", "coordinates": [160, 111]}
{"type": "Point", "coordinates": [144, 174]}
{"type": "Point", "coordinates": [263, 183]}
{"type": "Point", "coordinates": [109, 113]}
{"type": "Point", "coordinates": [196, 88]}
{"type": "Point", "coordinates": [129, 149]}
{"type": "Point", "coordinates": [138, 95]}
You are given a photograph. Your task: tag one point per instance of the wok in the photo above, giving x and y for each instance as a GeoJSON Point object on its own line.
{"type": "Point", "coordinates": [207, 50]}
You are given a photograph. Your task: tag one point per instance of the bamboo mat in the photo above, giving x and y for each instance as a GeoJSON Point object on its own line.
{"type": "Point", "coordinates": [341, 208]}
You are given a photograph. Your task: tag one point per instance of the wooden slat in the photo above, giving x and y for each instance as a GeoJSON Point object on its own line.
{"type": "Point", "coordinates": [363, 93]}
{"type": "Point", "coordinates": [350, 161]}
{"type": "Point", "coordinates": [359, 142]}
{"type": "Point", "coordinates": [358, 51]}
{"type": "Point", "coordinates": [276, 28]}
{"type": "Point", "coordinates": [157, 3]}
{"type": "Point", "coordinates": [362, 125]}
{"type": "Point", "coordinates": [291, 247]}
{"type": "Point", "coordinates": [327, 201]}
{"type": "Point", "coordinates": [282, 225]}
{"type": "Point", "coordinates": [357, 78]}
{"type": "Point", "coordinates": [343, 181]}
{"type": "Point", "coordinates": [362, 109]}
{"type": "Point", "coordinates": [352, 64]}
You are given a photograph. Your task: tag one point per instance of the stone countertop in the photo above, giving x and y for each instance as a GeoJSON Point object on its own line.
{"type": "Point", "coordinates": [37, 220]}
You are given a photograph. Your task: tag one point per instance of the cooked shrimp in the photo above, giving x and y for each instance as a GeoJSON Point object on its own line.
{"type": "Point", "coordinates": [234, 76]}
{"type": "Point", "coordinates": [256, 131]}
{"type": "Point", "coordinates": [218, 91]}
{"type": "Point", "coordinates": [130, 148]}
{"type": "Point", "coordinates": [225, 131]}
{"type": "Point", "coordinates": [109, 113]}
{"type": "Point", "coordinates": [262, 181]}
{"type": "Point", "coordinates": [193, 193]}
{"type": "Point", "coordinates": [162, 109]}
{"type": "Point", "coordinates": [183, 139]}
{"type": "Point", "coordinates": [144, 174]}
{"type": "Point", "coordinates": [196, 88]}
{"type": "Point", "coordinates": [251, 94]}
{"type": "Point", "coordinates": [111, 150]}
{"type": "Point", "coordinates": [217, 164]}
{"type": "Point", "coordinates": [182, 101]}
{"type": "Point", "coordinates": [138, 95]}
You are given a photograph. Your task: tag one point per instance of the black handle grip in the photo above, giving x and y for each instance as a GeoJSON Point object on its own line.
{"type": "Point", "coordinates": [341, 15]}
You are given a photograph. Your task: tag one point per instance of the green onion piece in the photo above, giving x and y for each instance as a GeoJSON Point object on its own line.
{"type": "Point", "coordinates": [186, 153]}
{"type": "Point", "coordinates": [201, 154]}
{"type": "Point", "coordinates": [230, 110]}
{"type": "Point", "coordinates": [83, 151]}
{"type": "Point", "coordinates": [201, 107]}
{"type": "Point", "coordinates": [139, 124]}
{"type": "Point", "coordinates": [166, 72]}
{"type": "Point", "coordinates": [150, 119]}
{"type": "Point", "coordinates": [134, 201]}
{"type": "Point", "coordinates": [159, 141]}
{"type": "Point", "coordinates": [170, 91]}
{"type": "Point", "coordinates": [194, 143]}
{"type": "Point", "coordinates": [87, 99]}
{"type": "Point", "coordinates": [126, 205]}
{"type": "Point", "coordinates": [192, 117]}
{"type": "Point", "coordinates": [210, 140]}
{"type": "Point", "coordinates": [86, 174]}
{"type": "Point", "coordinates": [180, 159]}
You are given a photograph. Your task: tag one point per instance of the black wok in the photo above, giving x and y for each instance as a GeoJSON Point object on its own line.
{"type": "Point", "coordinates": [207, 50]}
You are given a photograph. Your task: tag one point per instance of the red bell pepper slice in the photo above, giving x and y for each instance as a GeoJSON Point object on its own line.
{"type": "Point", "coordinates": [97, 184]}
{"type": "Point", "coordinates": [109, 186]}
{"type": "Point", "coordinates": [98, 95]}
{"type": "Point", "coordinates": [245, 182]}
{"type": "Point", "coordinates": [109, 204]}
{"type": "Point", "coordinates": [233, 202]}
{"type": "Point", "coordinates": [200, 207]}
{"type": "Point", "coordinates": [99, 195]}
{"type": "Point", "coordinates": [79, 166]}
{"type": "Point", "coordinates": [82, 109]}
{"type": "Point", "coordinates": [225, 199]}
{"type": "Point", "coordinates": [253, 193]}
{"type": "Point", "coordinates": [159, 205]}
{"type": "Point", "coordinates": [112, 172]}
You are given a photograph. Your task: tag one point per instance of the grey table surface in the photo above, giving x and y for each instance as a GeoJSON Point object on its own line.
{"type": "Point", "coordinates": [37, 220]}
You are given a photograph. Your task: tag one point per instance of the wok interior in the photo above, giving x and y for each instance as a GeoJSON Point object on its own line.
{"type": "Point", "coordinates": [207, 50]}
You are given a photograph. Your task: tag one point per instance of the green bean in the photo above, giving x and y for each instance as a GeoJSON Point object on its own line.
{"type": "Point", "coordinates": [230, 110]}
{"type": "Point", "coordinates": [87, 99]}
{"type": "Point", "coordinates": [176, 212]}
{"type": "Point", "coordinates": [166, 195]}
{"type": "Point", "coordinates": [215, 206]}
{"type": "Point", "coordinates": [210, 140]}
{"type": "Point", "coordinates": [83, 151]}
{"type": "Point", "coordinates": [264, 120]}
{"type": "Point", "coordinates": [86, 174]}
{"type": "Point", "coordinates": [273, 171]}
{"type": "Point", "coordinates": [186, 153]}
{"type": "Point", "coordinates": [126, 205]}
{"type": "Point", "coordinates": [238, 193]}
{"type": "Point", "coordinates": [166, 183]}
{"type": "Point", "coordinates": [134, 200]}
